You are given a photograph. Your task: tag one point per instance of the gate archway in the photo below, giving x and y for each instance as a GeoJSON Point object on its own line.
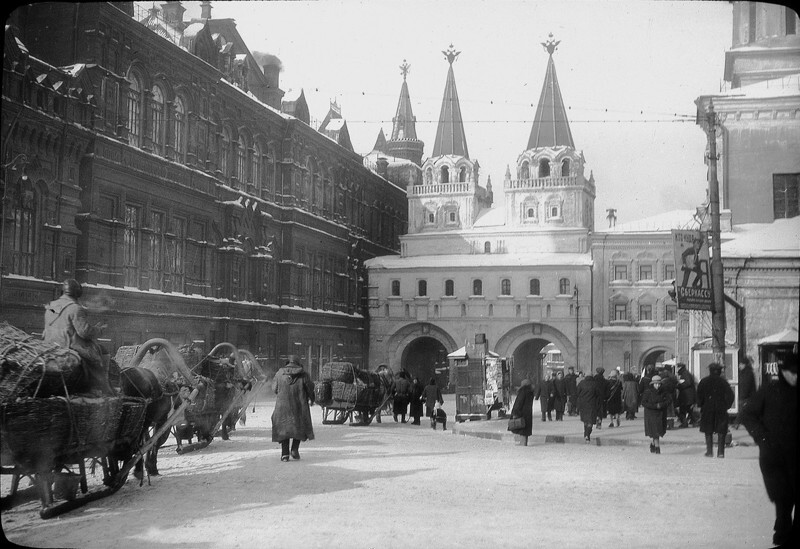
{"type": "Point", "coordinates": [426, 357]}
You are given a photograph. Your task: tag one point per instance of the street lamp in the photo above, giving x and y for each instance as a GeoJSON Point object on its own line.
{"type": "Point", "coordinates": [21, 160]}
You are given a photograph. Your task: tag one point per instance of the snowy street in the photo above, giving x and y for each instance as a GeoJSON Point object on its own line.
{"type": "Point", "coordinates": [399, 485]}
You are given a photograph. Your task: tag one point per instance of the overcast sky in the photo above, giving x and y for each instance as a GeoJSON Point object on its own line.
{"type": "Point", "coordinates": [629, 72]}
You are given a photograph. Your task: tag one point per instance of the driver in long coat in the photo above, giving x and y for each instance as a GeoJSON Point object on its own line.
{"type": "Point", "coordinates": [291, 418]}
{"type": "Point", "coordinates": [66, 324]}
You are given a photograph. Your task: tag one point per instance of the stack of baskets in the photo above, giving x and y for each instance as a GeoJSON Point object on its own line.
{"type": "Point", "coordinates": [31, 367]}
{"type": "Point", "coordinates": [343, 385]}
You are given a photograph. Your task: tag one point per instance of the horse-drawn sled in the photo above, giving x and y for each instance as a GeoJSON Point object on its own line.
{"type": "Point", "coordinates": [346, 392]}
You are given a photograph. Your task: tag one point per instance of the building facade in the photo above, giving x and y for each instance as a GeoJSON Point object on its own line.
{"type": "Point", "coordinates": [153, 159]}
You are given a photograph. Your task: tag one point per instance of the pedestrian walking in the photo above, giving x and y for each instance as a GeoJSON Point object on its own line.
{"type": "Point", "coordinates": [589, 395]}
{"type": "Point", "coordinates": [655, 402]}
{"type": "Point", "coordinates": [630, 395]}
{"type": "Point", "coordinates": [747, 386]}
{"type": "Point", "coordinates": [291, 418]}
{"type": "Point", "coordinates": [770, 416]}
{"type": "Point", "coordinates": [571, 379]}
{"type": "Point", "coordinates": [614, 397]}
{"type": "Point", "coordinates": [402, 396]}
{"type": "Point", "coordinates": [687, 396]}
{"type": "Point", "coordinates": [544, 394]}
{"type": "Point", "coordinates": [415, 402]}
{"type": "Point", "coordinates": [431, 396]}
{"type": "Point", "coordinates": [559, 395]}
{"type": "Point", "coordinates": [523, 407]}
{"type": "Point", "coordinates": [715, 397]}
{"type": "Point", "coordinates": [603, 388]}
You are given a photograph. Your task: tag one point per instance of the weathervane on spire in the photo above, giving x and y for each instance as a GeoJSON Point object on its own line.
{"type": "Point", "coordinates": [404, 69]}
{"type": "Point", "coordinates": [451, 54]}
{"type": "Point", "coordinates": [551, 44]}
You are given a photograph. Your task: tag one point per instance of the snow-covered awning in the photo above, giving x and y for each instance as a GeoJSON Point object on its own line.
{"type": "Point", "coordinates": [461, 354]}
{"type": "Point", "coordinates": [788, 335]}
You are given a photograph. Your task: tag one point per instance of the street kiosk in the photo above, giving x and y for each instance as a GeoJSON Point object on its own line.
{"type": "Point", "coordinates": [482, 382]}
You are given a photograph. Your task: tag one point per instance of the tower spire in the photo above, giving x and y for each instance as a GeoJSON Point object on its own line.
{"type": "Point", "coordinates": [450, 137]}
{"type": "Point", "coordinates": [550, 124]}
{"type": "Point", "coordinates": [403, 142]}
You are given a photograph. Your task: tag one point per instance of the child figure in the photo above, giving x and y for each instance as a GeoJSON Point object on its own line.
{"type": "Point", "coordinates": [439, 416]}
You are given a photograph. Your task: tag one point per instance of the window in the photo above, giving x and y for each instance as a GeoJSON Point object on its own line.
{"type": "Point", "coordinates": [505, 286]}
{"type": "Point", "coordinates": [177, 254]}
{"type": "Point", "coordinates": [534, 287]}
{"type": "Point", "coordinates": [786, 195]}
{"type": "Point", "coordinates": [255, 168]}
{"type": "Point", "coordinates": [477, 287]}
{"type": "Point", "coordinates": [620, 311]}
{"type": "Point", "coordinates": [645, 272]}
{"type": "Point", "coordinates": [445, 175]}
{"type": "Point", "coordinates": [131, 245]}
{"type": "Point", "coordinates": [669, 271]}
{"type": "Point", "coordinates": [530, 213]}
{"type": "Point", "coordinates": [451, 217]}
{"type": "Point", "coordinates": [565, 167]}
{"type": "Point", "coordinates": [462, 174]}
{"type": "Point", "coordinates": [224, 152]}
{"type": "Point", "coordinates": [449, 288]}
{"type": "Point", "coordinates": [645, 312]}
{"type": "Point", "coordinates": [241, 160]}
{"type": "Point", "coordinates": [620, 272]}
{"type": "Point", "coordinates": [524, 171]}
{"type": "Point", "coordinates": [544, 168]}
{"type": "Point", "coordinates": [23, 228]}
{"type": "Point", "coordinates": [179, 130]}
{"type": "Point", "coordinates": [134, 110]}
{"type": "Point", "coordinates": [157, 250]}
{"type": "Point", "coordinates": [157, 120]}
{"type": "Point", "coordinates": [487, 247]}
{"type": "Point", "coordinates": [563, 286]}
{"type": "Point", "coordinates": [395, 287]}
{"type": "Point", "coordinates": [422, 288]}
{"type": "Point", "coordinates": [670, 312]}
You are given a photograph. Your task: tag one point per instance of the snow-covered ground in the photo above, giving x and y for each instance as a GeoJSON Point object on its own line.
{"type": "Point", "coordinates": [396, 485]}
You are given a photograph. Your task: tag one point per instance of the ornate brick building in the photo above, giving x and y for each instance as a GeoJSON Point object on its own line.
{"type": "Point", "coordinates": [154, 160]}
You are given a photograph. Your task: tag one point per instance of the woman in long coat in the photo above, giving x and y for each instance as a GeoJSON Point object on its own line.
{"type": "Point", "coordinates": [614, 397]}
{"type": "Point", "coordinates": [715, 397]}
{"type": "Point", "coordinates": [589, 394]}
{"type": "Point", "coordinates": [415, 404]}
{"type": "Point", "coordinates": [523, 407]}
{"type": "Point", "coordinates": [291, 418]}
{"type": "Point", "coordinates": [656, 401]}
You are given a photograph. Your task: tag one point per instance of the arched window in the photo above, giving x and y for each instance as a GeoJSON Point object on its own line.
{"type": "Point", "coordinates": [256, 177]}
{"type": "Point", "coordinates": [534, 286]}
{"type": "Point", "coordinates": [505, 286]}
{"type": "Point", "coordinates": [395, 287]}
{"type": "Point", "coordinates": [134, 110]}
{"type": "Point", "coordinates": [179, 130]}
{"type": "Point", "coordinates": [241, 160]}
{"type": "Point", "coordinates": [422, 288]}
{"type": "Point", "coordinates": [386, 309]}
{"type": "Point", "coordinates": [519, 311]}
{"type": "Point", "coordinates": [477, 287]}
{"type": "Point", "coordinates": [445, 175]}
{"type": "Point", "coordinates": [565, 167]}
{"type": "Point", "coordinates": [224, 152]}
{"type": "Point", "coordinates": [530, 213]}
{"type": "Point", "coordinates": [429, 176]}
{"type": "Point", "coordinates": [462, 174]}
{"type": "Point", "coordinates": [449, 288]}
{"type": "Point", "coordinates": [487, 247]}
{"type": "Point", "coordinates": [407, 311]}
{"type": "Point", "coordinates": [24, 202]}
{"type": "Point", "coordinates": [544, 168]}
{"type": "Point", "coordinates": [435, 311]}
{"type": "Point", "coordinates": [157, 120]}
{"type": "Point", "coordinates": [491, 309]}
{"type": "Point", "coordinates": [563, 286]}
{"type": "Point", "coordinates": [463, 309]}
{"type": "Point", "coordinates": [524, 171]}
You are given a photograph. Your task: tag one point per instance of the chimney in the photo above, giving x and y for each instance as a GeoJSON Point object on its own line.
{"type": "Point", "coordinates": [272, 72]}
{"type": "Point", "coordinates": [382, 166]}
{"type": "Point", "coordinates": [173, 12]}
{"type": "Point", "coordinates": [205, 9]}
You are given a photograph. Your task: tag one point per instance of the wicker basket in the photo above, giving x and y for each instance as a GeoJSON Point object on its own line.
{"type": "Point", "coordinates": [31, 367]}
{"type": "Point", "coordinates": [323, 392]}
{"type": "Point", "coordinates": [131, 419]}
{"type": "Point", "coordinates": [41, 433]}
{"type": "Point", "coordinates": [338, 371]}
{"type": "Point", "coordinates": [344, 392]}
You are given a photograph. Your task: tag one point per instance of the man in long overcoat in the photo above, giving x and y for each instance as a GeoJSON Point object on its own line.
{"type": "Point", "coordinates": [589, 395]}
{"type": "Point", "coordinates": [523, 407]}
{"type": "Point", "coordinates": [687, 395]}
{"type": "Point", "coordinates": [602, 387]}
{"type": "Point", "coordinates": [559, 395]}
{"type": "Point", "coordinates": [291, 418]}
{"type": "Point", "coordinates": [770, 416]}
{"type": "Point", "coordinates": [66, 324]}
{"type": "Point", "coordinates": [571, 379]}
{"type": "Point", "coordinates": [715, 397]}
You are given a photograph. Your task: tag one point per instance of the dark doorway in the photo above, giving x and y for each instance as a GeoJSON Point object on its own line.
{"type": "Point", "coordinates": [424, 358]}
{"type": "Point", "coordinates": [528, 360]}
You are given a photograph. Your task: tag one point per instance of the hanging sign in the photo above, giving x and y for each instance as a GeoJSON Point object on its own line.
{"type": "Point", "coordinates": [693, 280]}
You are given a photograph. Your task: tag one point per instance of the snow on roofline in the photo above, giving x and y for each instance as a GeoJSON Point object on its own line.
{"type": "Point", "coordinates": [457, 261]}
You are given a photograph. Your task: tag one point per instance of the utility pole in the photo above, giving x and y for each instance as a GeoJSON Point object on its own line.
{"type": "Point", "coordinates": [577, 330]}
{"type": "Point", "coordinates": [717, 279]}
